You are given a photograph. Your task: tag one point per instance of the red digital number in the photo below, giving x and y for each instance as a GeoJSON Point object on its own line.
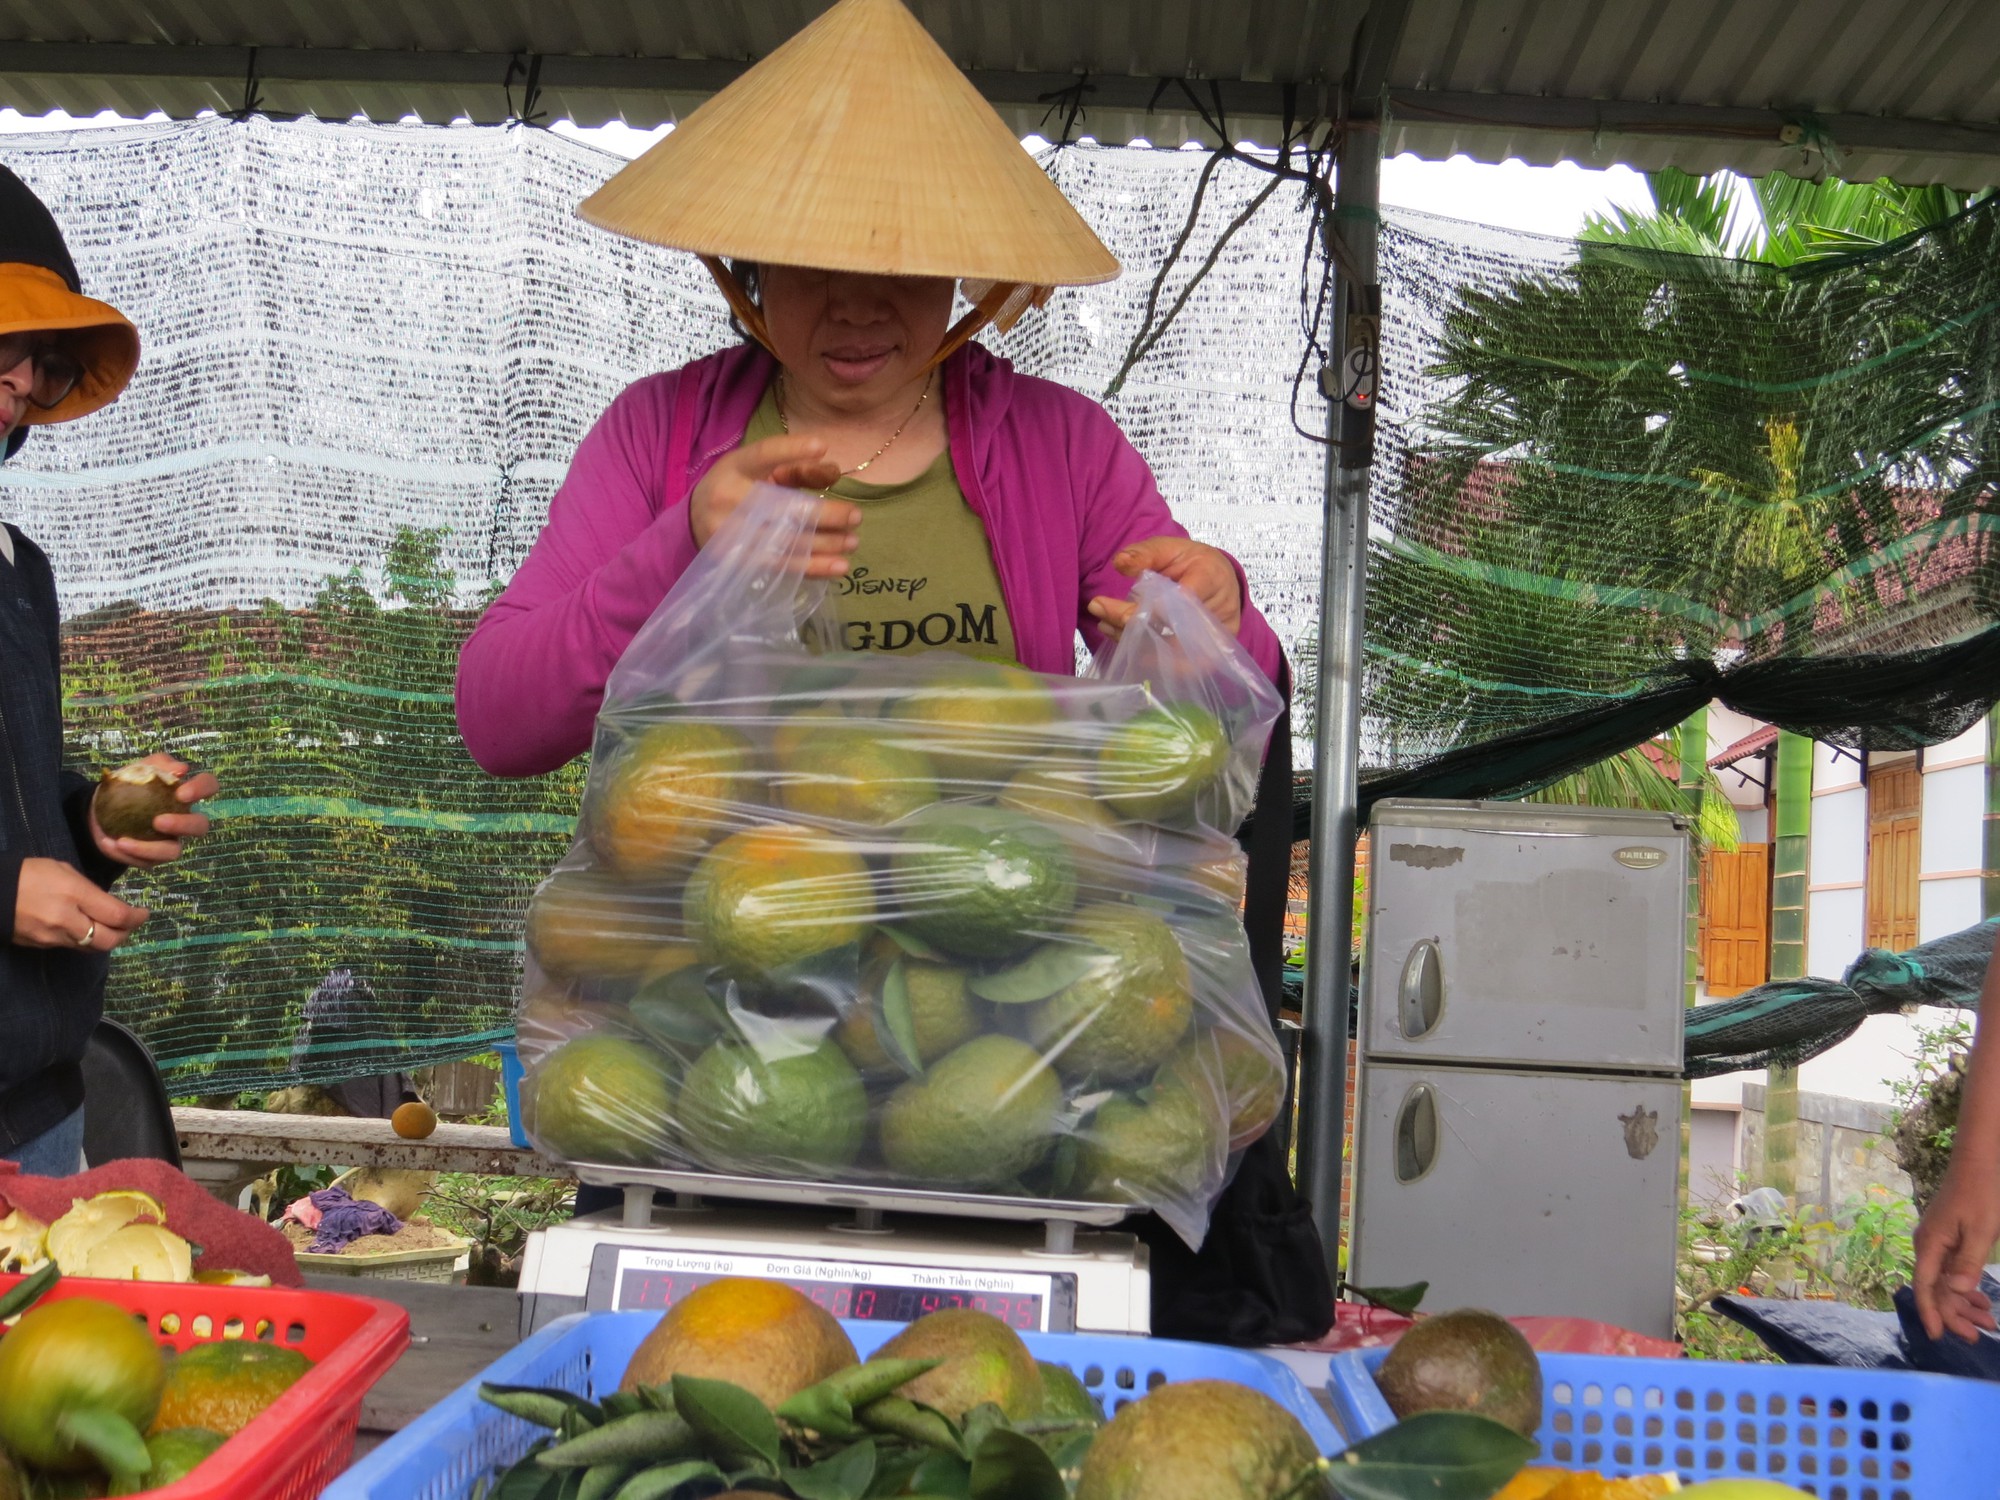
{"type": "Point", "coordinates": [928, 1302]}
{"type": "Point", "coordinates": [843, 1301]}
{"type": "Point", "coordinates": [864, 1303]}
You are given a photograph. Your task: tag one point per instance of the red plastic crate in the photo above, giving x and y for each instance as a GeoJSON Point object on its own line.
{"type": "Point", "coordinates": [296, 1447]}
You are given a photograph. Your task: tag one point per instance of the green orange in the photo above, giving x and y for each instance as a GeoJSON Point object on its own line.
{"type": "Point", "coordinates": [767, 898]}
{"type": "Point", "coordinates": [74, 1355]}
{"type": "Point", "coordinates": [668, 793]}
{"type": "Point", "coordinates": [1125, 1015]}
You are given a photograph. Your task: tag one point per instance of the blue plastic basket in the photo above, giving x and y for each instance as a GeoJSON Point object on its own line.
{"type": "Point", "coordinates": [450, 1448]}
{"type": "Point", "coordinates": [1837, 1433]}
{"type": "Point", "coordinates": [510, 1081]}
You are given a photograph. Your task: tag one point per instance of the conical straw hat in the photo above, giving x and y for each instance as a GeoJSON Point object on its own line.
{"type": "Point", "coordinates": [856, 146]}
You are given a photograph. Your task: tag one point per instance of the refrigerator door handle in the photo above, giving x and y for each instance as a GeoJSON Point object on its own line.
{"type": "Point", "coordinates": [1420, 997]}
{"type": "Point", "coordinates": [1416, 1133]}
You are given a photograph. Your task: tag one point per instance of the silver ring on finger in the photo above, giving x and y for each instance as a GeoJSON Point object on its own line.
{"type": "Point", "coordinates": [88, 938]}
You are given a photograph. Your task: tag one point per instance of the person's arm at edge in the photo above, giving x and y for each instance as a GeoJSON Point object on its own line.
{"type": "Point", "coordinates": [1129, 508]}
{"type": "Point", "coordinates": [1962, 1223]}
{"type": "Point", "coordinates": [531, 675]}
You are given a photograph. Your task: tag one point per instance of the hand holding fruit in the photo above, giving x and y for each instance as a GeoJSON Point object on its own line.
{"type": "Point", "coordinates": [143, 811]}
{"type": "Point", "coordinates": [1202, 570]}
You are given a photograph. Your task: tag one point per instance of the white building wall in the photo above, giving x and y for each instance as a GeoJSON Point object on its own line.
{"type": "Point", "coordinates": [1837, 930]}
{"type": "Point", "coordinates": [1953, 834]}
{"type": "Point", "coordinates": [1836, 864]}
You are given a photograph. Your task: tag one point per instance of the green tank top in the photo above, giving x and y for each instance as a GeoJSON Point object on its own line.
{"type": "Point", "coordinates": [923, 575]}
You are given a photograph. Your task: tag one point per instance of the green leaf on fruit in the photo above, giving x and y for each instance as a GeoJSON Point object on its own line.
{"type": "Point", "coordinates": [910, 943]}
{"type": "Point", "coordinates": [844, 1476]}
{"type": "Point", "coordinates": [107, 1437]}
{"type": "Point", "coordinates": [661, 1482]}
{"type": "Point", "coordinates": [1436, 1455]}
{"type": "Point", "coordinates": [1396, 1299]}
{"type": "Point", "coordinates": [733, 1425]}
{"type": "Point", "coordinates": [898, 1024]}
{"type": "Point", "coordinates": [678, 1010]}
{"type": "Point", "coordinates": [1051, 967]}
{"type": "Point", "coordinates": [1006, 1465]}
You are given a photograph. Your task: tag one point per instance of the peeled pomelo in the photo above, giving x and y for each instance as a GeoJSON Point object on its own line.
{"type": "Point", "coordinates": [90, 1220]}
{"type": "Point", "coordinates": [140, 1252]}
{"type": "Point", "coordinates": [129, 798]}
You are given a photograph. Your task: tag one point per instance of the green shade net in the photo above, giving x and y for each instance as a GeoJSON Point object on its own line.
{"type": "Point", "coordinates": [1791, 1020]}
{"type": "Point", "coordinates": [1636, 481]}
{"type": "Point", "coordinates": [1610, 486]}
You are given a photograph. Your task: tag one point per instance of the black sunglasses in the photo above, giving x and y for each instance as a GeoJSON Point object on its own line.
{"type": "Point", "coordinates": [56, 370]}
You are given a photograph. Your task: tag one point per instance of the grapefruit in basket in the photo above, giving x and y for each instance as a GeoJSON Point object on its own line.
{"type": "Point", "coordinates": [1200, 1440]}
{"type": "Point", "coordinates": [76, 1358]}
{"type": "Point", "coordinates": [767, 1337]}
{"type": "Point", "coordinates": [220, 1386]}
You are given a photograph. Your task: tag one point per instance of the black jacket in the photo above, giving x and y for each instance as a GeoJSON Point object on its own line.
{"type": "Point", "coordinates": [49, 998]}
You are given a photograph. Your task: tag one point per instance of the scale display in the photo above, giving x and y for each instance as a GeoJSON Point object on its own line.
{"type": "Point", "coordinates": [654, 1280]}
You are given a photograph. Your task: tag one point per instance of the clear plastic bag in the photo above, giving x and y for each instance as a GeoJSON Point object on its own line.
{"type": "Point", "coordinates": [915, 920]}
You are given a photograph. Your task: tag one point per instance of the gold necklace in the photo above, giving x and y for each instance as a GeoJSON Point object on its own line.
{"type": "Point", "coordinates": [784, 425]}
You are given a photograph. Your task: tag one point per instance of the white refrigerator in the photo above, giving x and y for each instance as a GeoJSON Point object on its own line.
{"type": "Point", "coordinates": [1517, 1120]}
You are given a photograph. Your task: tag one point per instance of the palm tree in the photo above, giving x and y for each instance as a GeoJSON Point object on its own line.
{"type": "Point", "coordinates": [1673, 449]}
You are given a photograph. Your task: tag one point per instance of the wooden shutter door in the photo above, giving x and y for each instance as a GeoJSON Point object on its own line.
{"type": "Point", "coordinates": [1895, 797]}
{"type": "Point", "coordinates": [1736, 945]}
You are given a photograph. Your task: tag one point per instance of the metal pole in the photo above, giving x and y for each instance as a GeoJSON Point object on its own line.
{"type": "Point", "coordinates": [1350, 387]}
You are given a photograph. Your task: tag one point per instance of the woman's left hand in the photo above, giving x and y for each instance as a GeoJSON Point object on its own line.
{"type": "Point", "coordinates": [174, 828]}
{"type": "Point", "coordinates": [1204, 571]}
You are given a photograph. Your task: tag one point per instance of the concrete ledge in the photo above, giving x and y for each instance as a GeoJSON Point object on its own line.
{"type": "Point", "coordinates": [242, 1135]}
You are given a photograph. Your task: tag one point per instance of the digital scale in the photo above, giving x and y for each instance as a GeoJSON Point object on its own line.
{"type": "Point", "coordinates": [897, 1255]}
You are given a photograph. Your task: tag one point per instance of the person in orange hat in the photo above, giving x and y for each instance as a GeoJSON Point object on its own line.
{"type": "Point", "coordinates": [62, 356]}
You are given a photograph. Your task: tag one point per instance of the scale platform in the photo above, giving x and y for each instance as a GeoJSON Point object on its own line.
{"type": "Point", "coordinates": [1037, 1272]}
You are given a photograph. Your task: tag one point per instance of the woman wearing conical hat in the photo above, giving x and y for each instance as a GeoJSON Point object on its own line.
{"type": "Point", "coordinates": [841, 191]}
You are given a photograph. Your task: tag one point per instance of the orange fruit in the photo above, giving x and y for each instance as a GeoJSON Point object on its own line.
{"type": "Point", "coordinates": [220, 1386]}
{"type": "Point", "coordinates": [1565, 1484]}
{"type": "Point", "coordinates": [767, 1337]}
{"type": "Point", "coordinates": [414, 1120]}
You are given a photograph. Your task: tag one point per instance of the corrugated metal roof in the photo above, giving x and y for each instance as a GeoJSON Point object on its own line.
{"type": "Point", "coordinates": [1754, 743]}
{"type": "Point", "coordinates": [1904, 88]}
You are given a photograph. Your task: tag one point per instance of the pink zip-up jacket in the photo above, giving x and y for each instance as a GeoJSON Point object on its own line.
{"type": "Point", "coordinates": [1058, 487]}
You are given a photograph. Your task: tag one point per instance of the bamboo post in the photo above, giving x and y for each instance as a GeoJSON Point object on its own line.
{"type": "Point", "coordinates": [1691, 751]}
{"type": "Point", "coordinates": [1788, 946]}
{"type": "Point", "coordinates": [1989, 885]}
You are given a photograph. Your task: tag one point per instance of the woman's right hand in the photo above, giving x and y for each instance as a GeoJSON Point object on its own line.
{"type": "Point", "coordinates": [58, 906]}
{"type": "Point", "coordinates": [798, 463]}
{"type": "Point", "coordinates": [1953, 1239]}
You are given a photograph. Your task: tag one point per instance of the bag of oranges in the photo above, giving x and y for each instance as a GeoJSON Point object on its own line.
{"type": "Point", "coordinates": [916, 920]}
